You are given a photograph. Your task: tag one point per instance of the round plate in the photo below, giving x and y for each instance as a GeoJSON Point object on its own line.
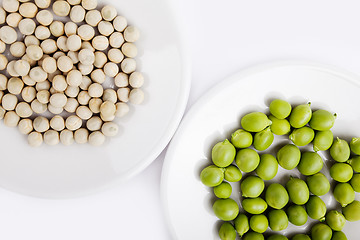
{"type": "Point", "coordinates": [60, 171]}
{"type": "Point", "coordinates": [187, 202]}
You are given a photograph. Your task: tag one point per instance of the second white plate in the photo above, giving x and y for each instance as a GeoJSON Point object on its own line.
{"type": "Point", "coordinates": [187, 202]}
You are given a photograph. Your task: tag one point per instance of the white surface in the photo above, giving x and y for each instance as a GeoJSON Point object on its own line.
{"type": "Point", "coordinates": [72, 171]}
{"type": "Point", "coordinates": [217, 114]}
{"type": "Point", "coordinates": [223, 38]}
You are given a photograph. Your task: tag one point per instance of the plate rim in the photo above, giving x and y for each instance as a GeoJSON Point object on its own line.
{"type": "Point", "coordinates": [237, 76]}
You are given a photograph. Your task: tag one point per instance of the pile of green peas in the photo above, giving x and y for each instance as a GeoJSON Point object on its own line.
{"type": "Point", "coordinates": [276, 205]}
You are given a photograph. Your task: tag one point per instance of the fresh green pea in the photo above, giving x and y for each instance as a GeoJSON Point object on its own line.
{"type": "Point", "coordinates": [297, 215]}
{"type": "Point", "coordinates": [277, 237]}
{"type": "Point", "coordinates": [318, 184]}
{"type": "Point", "coordinates": [316, 208]}
{"type": "Point", "coordinates": [339, 236]}
{"type": "Point", "coordinates": [254, 205]}
{"type": "Point", "coordinates": [288, 156]}
{"type": "Point", "coordinates": [344, 193]}
{"type": "Point", "coordinates": [280, 108]}
{"type": "Point", "coordinates": [247, 159]}
{"type": "Point", "coordinates": [226, 209]}
{"type": "Point", "coordinates": [255, 122]}
{"type": "Point", "coordinates": [340, 150]}
{"type": "Point", "coordinates": [335, 220]}
{"type": "Point", "coordinates": [212, 176]}
{"type": "Point", "coordinates": [355, 182]}
{"type": "Point", "coordinates": [223, 153]}
{"type": "Point", "coordinates": [241, 138]}
{"type": "Point", "coordinates": [302, 136]}
{"type": "Point", "coordinates": [323, 140]}
{"type": "Point", "coordinates": [263, 139]}
{"type": "Point", "coordinates": [227, 231]}
{"type": "Point", "coordinates": [355, 163]}
{"type": "Point", "coordinates": [300, 115]}
{"type": "Point", "coordinates": [259, 223]}
{"type": "Point", "coordinates": [253, 236]}
{"type": "Point", "coordinates": [352, 211]}
{"type": "Point", "coordinates": [232, 174]}
{"type": "Point", "coordinates": [268, 167]}
{"type": "Point", "coordinates": [355, 145]}
{"type": "Point", "coordinates": [276, 196]}
{"type": "Point", "coordinates": [301, 236]}
{"type": "Point", "coordinates": [310, 163]}
{"type": "Point", "coordinates": [298, 191]}
{"type": "Point", "coordinates": [223, 190]}
{"type": "Point", "coordinates": [252, 186]}
{"type": "Point", "coordinates": [279, 126]}
{"type": "Point", "coordinates": [341, 172]}
{"type": "Point", "coordinates": [278, 220]}
{"type": "Point", "coordinates": [322, 120]}
{"type": "Point", "coordinates": [321, 231]}
{"type": "Point", "coordinates": [241, 223]}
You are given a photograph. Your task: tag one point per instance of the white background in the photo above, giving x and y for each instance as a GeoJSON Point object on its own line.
{"type": "Point", "coordinates": [224, 37]}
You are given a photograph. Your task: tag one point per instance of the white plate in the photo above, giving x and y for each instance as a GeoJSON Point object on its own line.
{"type": "Point", "coordinates": [187, 202]}
{"type": "Point", "coordinates": [58, 172]}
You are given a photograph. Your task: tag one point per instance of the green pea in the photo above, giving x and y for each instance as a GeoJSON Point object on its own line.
{"type": "Point", "coordinates": [263, 139]}
{"type": "Point", "coordinates": [341, 172]}
{"type": "Point", "coordinates": [318, 184]}
{"type": "Point", "coordinates": [212, 176]}
{"type": "Point", "coordinates": [344, 193]}
{"type": "Point", "coordinates": [297, 215]}
{"type": "Point", "coordinates": [301, 236]}
{"type": "Point", "coordinates": [339, 236]}
{"type": "Point", "coordinates": [280, 108]}
{"type": "Point", "coordinates": [322, 120]}
{"type": "Point", "coordinates": [352, 211]}
{"type": "Point", "coordinates": [268, 167]}
{"type": "Point", "coordinates": [279, 126]}
{"type": "Point", "coordinates": [259, 223]}
{"type": "Point", "coordinates": [226, 209]}
{"type": "Point", "coordinates": [355, 182]}
{"type": "Point", "coordinates": [276, 196]}
{"type": "Point", "coordinates": [223, 190]}
{"type": "Point", "coordinates": [335, 220]}
{"type": "Point", "coordinates": [355, 163]}
{"type": "Point", "coordinates": [355, 145]}
{"type": "Point", "coordinates": [277, 237]}
{"type": "Point", "coordinates": [255, 122]}
{"type": "Point", "coordinates": [254, 205]}
{"type": "Point", "coordinates": [310, 163]}
{"type": "Point", "coordinates": [223, 153]}
{"type": "Point", "coordinates": [340, 150]}
{"type": "Point", "coordinates": [227, 231]}
{"type": "Point", "coordinates": [252, 186]}
{"type": "Point", "coordinates": [321, 231]}
{"type": "Point", "coordinates": [241, 138]}
{"type": "Point", "coordinates": [247, 159]}
{"type": "Point", "coordinates": [232, 174]}
{"type": "Point", "coordinates": [288, 156]}
{"type": "Point", "coordinates": [278, 220]}
{"type": "Point", "coordinates": [323, 140]}
{"type": "Point", "coordinates": [298, 191]}
{"type": "Point", "coordinates": [300, 115]}
{"type": "Point", "coordinates": [253, 236]}
{"type": "Point", "coordinates": [241, 223]}
{"type": "Point", "coordinates": [302, 136]}
{"type": "Point", "coordinates": [315, 208]}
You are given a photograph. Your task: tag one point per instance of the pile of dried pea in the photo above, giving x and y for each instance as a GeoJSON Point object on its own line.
{"type": "Point", "coordinates": [276, 205]}
{"type": "Point", "coordinates": [55, 59]}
